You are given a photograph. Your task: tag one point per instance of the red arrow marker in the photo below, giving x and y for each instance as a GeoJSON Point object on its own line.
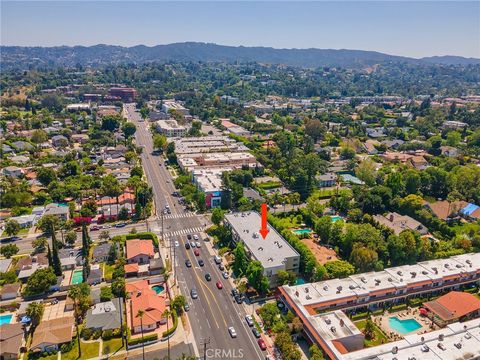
{"type": "Point", "coordinates": [264, 229]}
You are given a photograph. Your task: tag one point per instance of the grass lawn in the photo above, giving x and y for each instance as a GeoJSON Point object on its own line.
{"type": "Point", "coordinates": [465, 228]}
{"type": "Point", "coordinates": [48, 357]}
{"type": "Point", "coordinates": [113, 345]}
{"type": "Point", "coordinates": [379, 335]}
{"type": "Point", "coordinates": [23, 231]}
{"type": "Point", "coordinates": [89, 350]}
{"type": "Point", "coordinates": [108, 271]}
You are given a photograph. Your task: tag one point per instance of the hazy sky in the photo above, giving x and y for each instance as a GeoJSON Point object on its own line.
{"type": "Point", "coordinates": [407, 28]}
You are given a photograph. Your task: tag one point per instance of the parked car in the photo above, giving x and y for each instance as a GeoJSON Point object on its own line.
{"type": "Point", "coordinates": [195, 237]}
{"type": "Point", "coordinates": [189, 237]}
{"type": "Point", "coordinates": [235, 292]}
{"type": "Point", "coordinates": [217, 259]}
{"type": "Point", "coordinates": [177, 244]}
{"type": "Point", "coordinates": [219, 284]}
{"type": "Point", "coordinates": [232, 332]}
{"type": "Point", "coordinates": [262, 344]}
{"type": "Point", "coordinates": [256, 333]}
{"type": "Point", "coordinates": [192, 244]}
{"type": "Point", "coordinates": [120, 225]}
{"type": "Point", "coordinates": [225, 275]}
{"type": "Point", "coordinates": [94, 228]}
{"type": "Point", "coordinates": [238, 299]}
{"type": "Point", "coordinates": [186, 307]}
{"type": "Point", "coordinates": [221, 267]}
{"type": "Point", "coordinates": [197, 244]}
{"type": "Point", "coordinates": [249, 320]}
{"type": "Point", "coordinates": [194, 294]}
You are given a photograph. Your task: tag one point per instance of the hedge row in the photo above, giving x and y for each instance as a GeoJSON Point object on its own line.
{"type": "Point", "coordinates": [397, 308]}
{"type": "Point", "coordinates": [139, 340]}
{"type": "Point", "coordinates": [174, 327]}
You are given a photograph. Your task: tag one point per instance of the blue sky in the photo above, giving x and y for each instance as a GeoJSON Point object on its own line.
{"type": "Point", "coordinates": [406, 28]}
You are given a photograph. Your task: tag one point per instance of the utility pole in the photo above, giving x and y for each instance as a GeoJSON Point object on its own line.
{"type": "Point", "coordinates": [205, 342]}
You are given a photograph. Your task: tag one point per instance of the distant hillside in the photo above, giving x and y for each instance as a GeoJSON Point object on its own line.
{"type": "Point", "coordinates": [28, 57]}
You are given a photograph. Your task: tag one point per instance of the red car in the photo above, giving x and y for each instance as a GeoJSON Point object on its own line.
{"type": "Point", "coordinates": [219, 285]}
{"type": "Point", "coordinates": [262, 344]}
{"type": "Point", "coordinates": [196, 252]}
{"type": "Point", "coordinates": [94, 228]}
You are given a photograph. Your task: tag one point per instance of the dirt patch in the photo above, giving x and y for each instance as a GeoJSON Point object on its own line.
{"type": "Point", "coordinates": [322, 253]}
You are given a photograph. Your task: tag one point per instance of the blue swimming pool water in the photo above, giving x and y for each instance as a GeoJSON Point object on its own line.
{"type": "Point", "coordinates": [300, 281]}
{"type": "Point", "coordinates": [403, 326]}
{"type": "Point", "coordinates": [302, 231]}
{"type": "Point", "coordinates": [158, 289]}
{"type": "Point", "coordinates": [336, 218]}
{"type": "Point", "coordinates": [5, 319]}
{"type": "Point", "coordinates": [77, 277]}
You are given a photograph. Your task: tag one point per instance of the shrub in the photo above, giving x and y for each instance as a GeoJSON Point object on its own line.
{"type": "Point", "coordinates": [359, 316]}
{"type": "Point", "coordinates": [174, 327]}
{"type": "Point", "coordinates": [67, 347]}
{"type": "Point", "coordinates": [143, 236]}
{"type": "Point", "coordinates": [107, 334]}
{"type": "Point", "coordinates": [397, 308]}
{"type": "Point", "coordinates": [97, 333]}
{"type": "Point", "coordinates": [139, 340]}
{"type": "Point", "coordinates": [87, 333]}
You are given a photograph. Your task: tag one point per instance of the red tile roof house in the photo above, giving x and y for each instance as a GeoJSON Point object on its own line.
{"type": "Point", "coordinates": [142, 297]}
{"type": "Point", "coordinates": [452, 307]}
{"type": "Point", "coordinates": [139, 251]}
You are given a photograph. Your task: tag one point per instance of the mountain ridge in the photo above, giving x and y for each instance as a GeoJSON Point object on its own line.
{"type": "Point", "coordinates": [101, 54]}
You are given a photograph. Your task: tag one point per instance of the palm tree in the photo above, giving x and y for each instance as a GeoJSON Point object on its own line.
{"type": "Point", "coordinates": [167, 313]}
{"type": "Point", "coordinates": [35, 312]}
{"type": "Point", "coordinates": [77, 293]}
{"type": "Point", "coordinates": [140, 314]}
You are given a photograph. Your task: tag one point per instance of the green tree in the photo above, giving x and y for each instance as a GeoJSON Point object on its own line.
{"type": "Point", "coordinates": [12, 227]}
{"type": "Point", "coordinates": [347, 153]}
{"type": "Point", "coordinates": [322, 227]}
{"type": "Point", "coordinates": [367, 172]}
{"type": "Point", "coordinates": [369, 329]}
{"type": "Point", "coordinates": [240, 262]}
{"type": "Point", "coordinates": [286, 278]}
{"type": "Point", "coordinates": [71, 237]}
{"type": "Point", "coordinates": [256, 278]}
{"type": "Point", "coordinates": [9, 250]}
{"type": "Point", "coordinates": [395, 183]}
{"type": "Point", "coordinates": [56, 264]}
{"type": "Point", "coordinates": [39, 136]}
{"type": "Point", "coordinates": [339, 269]}
{"type": "Point", "coordinates": [111, 123]}
{"type": "Point", "coordinates": [123, 214]}
{"type": "Point", "coordinates": [315, 129]}
{"type": "Point", "coordinates": [129, 129]}
{"type": "Point", "coordinates": [178, 303]}
{"type": "Point", "coordinates": [454, 138]}
{"type": "Point", "coordinates": [159, 142]}
{"type": "Point", "coordinates": [316, 353]}
{"type": "Point", "coordinates": [80, 295]}
{"type": "Point", "coordinates": [48, 224]}
{"type": "Point", "coordinates": [363, 258]}
{"type": "Point", "coordinates": [217, 216]}
{"type": "Point", "coordinates": [35, 312]}
{"type": "Point", "coordinates": [106, 293]}
{"type": "Point", "coordinates": [118, 287]}
{"type": "Point", "coordinates": [40, 281]}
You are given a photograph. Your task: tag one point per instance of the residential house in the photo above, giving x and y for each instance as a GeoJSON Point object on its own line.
{"type": "Point", "coordinates": [399, 223]}
{"type": "Point", "coordinates": [471, 212]}
{"type": "Point", "coordinates": [25, 221]}
{"type": "Point", "coordinates": [370, 146]}
{"type": "Point", "coordinates": [156, 266]}
{"type": "Point", "coordinates": [80, 138]}
{"type": "Point", "coordinates": [449, 151]}
{"type": "Point", "coordinates": [13, 171]}
{"type": "Point", "coordinates": [26, 266]}
{"type": "Point", "coordinates": [5, 265]}
{"type": "Point", "coordinates": [51, 334]}
{"type": "Point", "coordinates": [350, 179]}
{"type": "Point", "coordinates": [393, 144]}
{"type": "Point", "coordinates": [446, 210]}
{"type": "Point", "coordinates": [105, 315]}
{"type": "Point", "coordinates": [142, 297]}
{"type": "Point", "coordinates": [61, 212]}
{"type": "Point", "coordinates": [101, 252]}
{"type": "Point", "coordinates": [70, 258]}
{"type": "Point", "coordinates": [419, 162]}
{"type": "Point", "coordinates": [10, 291]}
{"type": "Point", "coordinates": [327, 180]}
{"type": "Point", "coordinates": [20, 159]}
{"type": "Point", "coordinates": [12, 340]}
{"type": "Point", "coordinates": [139, 251]}
{"type": "Point", "coordinates": [376, 132]}
{"type": "Point", "coordinates": [22, 145]}
{"type": "Point", "coordinates": [95, 275]}
{"type": "Point", "coordinates": [59, 141]}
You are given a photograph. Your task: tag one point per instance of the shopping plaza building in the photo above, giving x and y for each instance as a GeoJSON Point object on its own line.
{"type": "Point", "coordinates": [323, 308]}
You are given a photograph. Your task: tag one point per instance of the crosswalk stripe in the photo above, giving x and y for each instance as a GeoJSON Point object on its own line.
{"type": "Point", "coordinates": [183, 232]}
{"type": "Point", "coordinates": [179, 216]}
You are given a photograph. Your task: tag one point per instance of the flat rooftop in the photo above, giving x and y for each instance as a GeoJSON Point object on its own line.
{"type": "Point", "coordinates": [270, 251]}
{"type": "Point", "coordinates": [207, 144]}
{"type": "Point", "coordinates": [170, 125]}
{"type": "Point", "coordinates": [209, 179]}
{"type": "Point", "coordinates": [334, 325]}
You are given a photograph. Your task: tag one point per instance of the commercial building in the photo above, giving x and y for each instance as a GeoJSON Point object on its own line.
{"type": "Point", "coordinates": [273, 252]}
{"type": "Point", "coordinates": [171, 105]}
{"type": "Point", "coordinates": [209, 181]}
{"type": "Point", "coordinates": [380, 289]}
{"type": "Point", "coordinates": [124, 93]}
{"type": "Point", "coordinates": [170, 128]}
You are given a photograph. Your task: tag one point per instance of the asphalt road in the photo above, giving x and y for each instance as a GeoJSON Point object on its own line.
{"type": "Point", "coordinates": [214, 310]}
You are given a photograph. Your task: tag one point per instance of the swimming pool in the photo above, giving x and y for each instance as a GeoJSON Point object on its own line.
{"type": "Point", "coordinates": [77, 277]}
{"type": "Point", "coordinates": [158, 289]}
{"type": "Point", "coordinates": [403, 326]}
{"type": "Point", "coordinates": [302, 231]}
{"type": "Point", "coordinates": [336, 218]}
{"type": "Point", "coordinates": [5, 319]}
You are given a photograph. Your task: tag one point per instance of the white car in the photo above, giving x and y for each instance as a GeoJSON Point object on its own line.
{"type": "Point", "coordinates": [225, 275]}
{"type": "Point", "coordinates": [177, 244]}
{"type": "Point", "coordinates": [249, 320]}
{"type": "Point", "coordinates": [197, 244]}
{"type": "Point", "coordinates": [232, 332]}
{"type": "Point", "coordinates": [195, 237]}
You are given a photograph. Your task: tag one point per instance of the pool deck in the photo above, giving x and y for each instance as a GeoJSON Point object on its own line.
{"type": "Point", "coordinates": [412, 313]}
